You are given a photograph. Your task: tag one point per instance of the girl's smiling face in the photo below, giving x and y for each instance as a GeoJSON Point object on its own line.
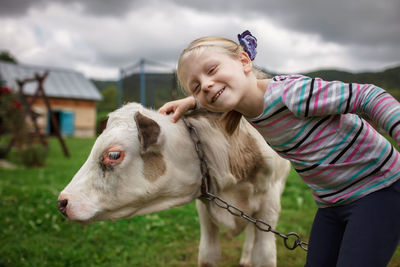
{"type": "Point", "coordinates": [217, 79]}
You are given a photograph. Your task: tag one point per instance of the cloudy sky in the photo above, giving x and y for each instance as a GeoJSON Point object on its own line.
{"type": "Point", "coordinates": [98, 37]}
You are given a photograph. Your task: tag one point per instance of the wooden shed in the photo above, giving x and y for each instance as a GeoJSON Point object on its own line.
{"type": "Point", "coordinates": [72, 97]}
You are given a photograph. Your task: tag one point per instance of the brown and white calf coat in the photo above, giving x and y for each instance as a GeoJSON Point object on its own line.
{"type": "Point", "coordinates": [144, 163]}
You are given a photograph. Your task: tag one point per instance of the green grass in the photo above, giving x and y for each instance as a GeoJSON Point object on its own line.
{"type": "Point", "coordinates": [34, 233]}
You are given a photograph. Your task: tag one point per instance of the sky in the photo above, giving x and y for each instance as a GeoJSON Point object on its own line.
{"type": "Point", "coordinates": [99, 37]}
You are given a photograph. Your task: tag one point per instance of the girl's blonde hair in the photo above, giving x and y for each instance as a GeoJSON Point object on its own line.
{"type": "Point", "coordinates": [232, 118]}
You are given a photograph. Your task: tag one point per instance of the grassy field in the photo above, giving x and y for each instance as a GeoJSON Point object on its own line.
{"type": "Point", "coordinates": [34, 233]}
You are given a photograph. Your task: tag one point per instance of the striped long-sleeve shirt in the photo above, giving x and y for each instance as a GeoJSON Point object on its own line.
{"type": "Point", "coordinates": [316, 125]}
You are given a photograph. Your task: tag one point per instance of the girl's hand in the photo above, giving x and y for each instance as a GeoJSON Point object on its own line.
{"type": "Point", "coordinates": [178, 107]}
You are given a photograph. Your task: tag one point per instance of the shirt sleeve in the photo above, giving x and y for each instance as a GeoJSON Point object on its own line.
{"type": "Point", "coordinates": [308, 97]}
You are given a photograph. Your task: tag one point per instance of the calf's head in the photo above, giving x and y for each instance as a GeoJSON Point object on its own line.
{"type": "Point", "coordinates": [134, 168]}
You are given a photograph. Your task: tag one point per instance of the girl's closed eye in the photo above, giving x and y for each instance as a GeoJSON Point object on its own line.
{"type": "Point", "coordinates": [212, 70]}
{"type": "Point", "coordinates": [195, 89]}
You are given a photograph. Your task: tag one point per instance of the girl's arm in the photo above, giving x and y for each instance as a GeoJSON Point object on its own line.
{"type": "Point", "coordinates": [307, 97]}
{"type": "Point", "coordinates": [178, 107]}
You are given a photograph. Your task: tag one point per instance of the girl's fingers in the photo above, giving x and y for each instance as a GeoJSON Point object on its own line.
{"type": "Point", "coordinates": [166, 109]}
{"type": "Point", "coordinates": [177, 107]}
{"type": "Point", "coordinates": [177, 114]}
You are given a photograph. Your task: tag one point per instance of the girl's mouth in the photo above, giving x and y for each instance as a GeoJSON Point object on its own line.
{"type": "Point", "coordinates": [217, 95]}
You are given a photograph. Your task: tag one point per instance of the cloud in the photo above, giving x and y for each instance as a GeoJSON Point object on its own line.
{"type": "Point", "coordinates": [341, 21]}
{"type": "Point", "coordinates": [99, 37]}
{"type": "Point", "coordinates": [93, 7]}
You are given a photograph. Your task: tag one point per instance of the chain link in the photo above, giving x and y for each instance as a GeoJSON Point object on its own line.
{"type": "Point", "coordinates": [291, 240]}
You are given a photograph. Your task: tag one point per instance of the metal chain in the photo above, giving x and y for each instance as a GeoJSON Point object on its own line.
{"type": "Point", "coordinates": [259, 224]}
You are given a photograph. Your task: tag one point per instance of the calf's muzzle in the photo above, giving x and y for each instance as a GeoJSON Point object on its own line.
{"type": "Point", "coordinates": [62, 206]}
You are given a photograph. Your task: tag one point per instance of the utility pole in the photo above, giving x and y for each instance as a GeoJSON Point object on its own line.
{"type": "Point", "coordinates": [120, 87]}
{"type": "Point", "coordinates": [142, 83]}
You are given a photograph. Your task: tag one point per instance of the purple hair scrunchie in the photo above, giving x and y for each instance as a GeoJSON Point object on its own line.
{"type": "Point", "coordinates": [249, 43]}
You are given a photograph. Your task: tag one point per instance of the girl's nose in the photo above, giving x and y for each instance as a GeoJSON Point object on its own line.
{"type": "Point", "coordinates": [207, 85]}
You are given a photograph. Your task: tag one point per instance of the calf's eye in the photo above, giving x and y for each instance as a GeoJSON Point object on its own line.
{"type": "Point", "coordinates": [114, 155]}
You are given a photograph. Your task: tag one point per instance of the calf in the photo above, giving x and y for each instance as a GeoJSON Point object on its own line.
{"type": "Point", "coordinates": [144, 163]}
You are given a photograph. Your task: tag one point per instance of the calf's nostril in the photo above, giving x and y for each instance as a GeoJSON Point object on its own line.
{"type": "Point", "coordinates": [62, 206]}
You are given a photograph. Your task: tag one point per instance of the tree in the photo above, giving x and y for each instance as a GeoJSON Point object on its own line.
{"type": "Point", "coordinates": [109, 102]}
{"type": "Point", "coordinates": [6, 56]}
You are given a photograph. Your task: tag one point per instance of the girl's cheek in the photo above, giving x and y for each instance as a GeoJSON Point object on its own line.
{"type": "Point", "coordinates": [200, 98]}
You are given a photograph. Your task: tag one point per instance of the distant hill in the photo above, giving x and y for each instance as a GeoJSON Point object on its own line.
{"type": "Point", "coordinates": [101, 84]}
{"type": "Point", "coordinates": [388, 79]}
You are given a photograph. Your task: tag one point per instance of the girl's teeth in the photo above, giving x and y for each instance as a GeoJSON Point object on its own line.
{"type": "Point", "coordinates": [217, 95]}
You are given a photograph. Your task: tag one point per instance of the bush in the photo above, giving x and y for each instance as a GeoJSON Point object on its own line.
{"type": "Point", "coordinates": [12, 121]}
{"type": "Point", "coordinates": [14, 128]}
{"type": "Point", "coordinates": [33, 155]}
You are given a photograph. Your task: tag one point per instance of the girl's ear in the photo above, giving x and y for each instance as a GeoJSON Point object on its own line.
{"type": "Point", "coordinates": [246, 62]}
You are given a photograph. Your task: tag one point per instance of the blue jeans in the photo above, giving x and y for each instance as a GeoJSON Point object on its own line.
{"type": "Point", "coordinates": [363, 233]}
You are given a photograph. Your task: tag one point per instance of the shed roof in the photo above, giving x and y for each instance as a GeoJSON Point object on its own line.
{"type": "Point", "coordinates": [63, 83]}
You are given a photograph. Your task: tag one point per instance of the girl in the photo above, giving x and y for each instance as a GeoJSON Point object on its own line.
{"type": "Point", "coordinates": [352, 170]}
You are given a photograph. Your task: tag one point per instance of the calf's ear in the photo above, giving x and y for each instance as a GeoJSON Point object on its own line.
{"type": "Point", "coordinates": [148, 129]}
